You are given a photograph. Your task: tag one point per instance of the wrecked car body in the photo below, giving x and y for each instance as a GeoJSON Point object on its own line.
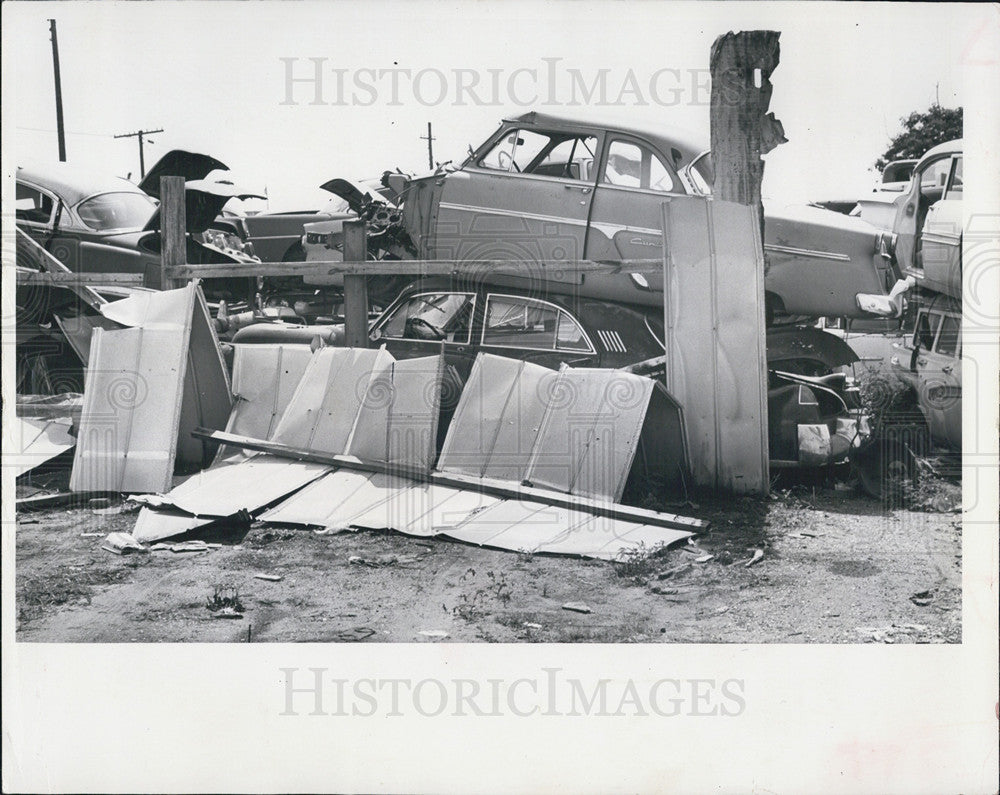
{"type": "Point", "coordinates": [551, 188]}
{"type": "Point", "coordinates": [95, 223]}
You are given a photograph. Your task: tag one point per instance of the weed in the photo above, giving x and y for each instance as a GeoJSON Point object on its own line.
{"type": "Point", "coordinates": [225, 598]}
{"type": "Point", "coordinates": [636, 563]}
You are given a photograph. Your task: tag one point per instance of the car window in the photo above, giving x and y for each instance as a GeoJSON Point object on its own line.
{"type": "Point", "coordinates": [514, 322]}
{"type": "Point", "coordinates": [631, 165]}
{"type": "Point", "coordinates": [947, 342]}
{"type": "Point", "coordinates": [563, 155]}
{"type": "Point", "coordinates": [430, 316]}
{"type": "Point", "coordinates": [954, 189]}
{"type": "Point", "coordinates": [32, 204]}
{"type": "Point", "coordinates": [926, 328]}
{"type": "Point", "coordinates": [116, 211]}
{"type": "Point", "coordinates": [933, 179]}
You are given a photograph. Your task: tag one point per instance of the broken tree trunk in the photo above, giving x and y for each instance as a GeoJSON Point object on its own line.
{"type": "Point", "coordinates": [742, 129]}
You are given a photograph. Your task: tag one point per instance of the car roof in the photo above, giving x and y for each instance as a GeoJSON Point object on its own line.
{"type": "Point", "coordinates": [948, 147]}
{"type": "Point", "coordinates": [72, 183]}
{"type": "Point", "coordinates": [665, 138]}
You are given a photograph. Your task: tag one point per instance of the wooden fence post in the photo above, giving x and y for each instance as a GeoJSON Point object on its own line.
{"type": "Point", "coordinates": [173, 226]}
{"type": "Point", "coordinates": [355, 287]}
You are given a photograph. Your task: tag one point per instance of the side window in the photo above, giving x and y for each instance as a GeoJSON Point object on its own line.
{"type": "Point", "coordinates": [948, 338]}
{"type": "Point", "coordinates": [634, 166]}
{"type": "Point", "coordinates": [933, 179]}
{"type": "Point", "coordinates": [525, 323]}
{"type": "Point", "coordinates": [430, 316]}
{"type": "Point", "coordinates": [545, 154]}
{"type": "Point", "coordinates": [926, 328]}
{"type": "Point", "coordinates": [954, 189]}
{"type": "Point", "coordinates": [32, 205]}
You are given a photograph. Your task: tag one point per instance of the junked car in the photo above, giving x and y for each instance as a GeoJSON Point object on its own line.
{"type": "Point", "coordinates": [93, 222]}
{"type": "Point", "coordinates": [465, 317]}
{"type": "Point", "coordinates": [553, 188]}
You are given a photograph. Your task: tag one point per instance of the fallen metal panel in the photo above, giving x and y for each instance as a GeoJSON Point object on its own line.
{"type": "Point", "coordinates": [158, 309]}
{"type": "Point", "coordinates": [35, 441]}
{"type": "Point", "coordinates": [325, 405]}
{"type": "Point", "coordinates": [423, 509]}
{"type": "Point", "coordinates": [714, 320]}
{"type": "Point", "coordinates": [264, 379]}
{"type": "Point", "coordinates": [497, 419]}
{"type": "Point", "coordinates": [397, 420]}
{"type": "Point", "coordinates": [336, 498]}
{"type": "Point", "coordinates": [590, 432]}
{"type": "Point", "coordinates": [226, 489]}
{"type": "Point", "coordinates": [79, 331]}
{"type": "Point", "coordinates": [131, 411]}
{"type": "Point", "coordinates": [153, 525]}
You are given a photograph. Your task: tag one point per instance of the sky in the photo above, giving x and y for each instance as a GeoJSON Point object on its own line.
{"type": "Point", "coordinates": [214, 76]}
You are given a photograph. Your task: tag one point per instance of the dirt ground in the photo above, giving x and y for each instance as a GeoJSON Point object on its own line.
{"type": "Point", "coordinates": [836, 568]}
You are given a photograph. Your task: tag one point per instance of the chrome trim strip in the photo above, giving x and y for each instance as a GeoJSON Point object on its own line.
{"type": "Point", "coordinates": [807, 252]}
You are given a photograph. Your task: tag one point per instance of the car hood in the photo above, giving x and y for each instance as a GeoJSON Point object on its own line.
{"type": "Point", "coordinates": [789, 344]}
{"type": "Point", "coordinates": [203, 202]}
{"type": "Point", "coordinates": [178, 163]}
{"type": "Point", "coordinates": [354, 193]}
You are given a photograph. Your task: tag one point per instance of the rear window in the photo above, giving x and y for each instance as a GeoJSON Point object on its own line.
{"type": "Point", "coordinates": [948, 338]}
{"type": "Point", "coordinates": [927, 325]}
{"type": "Point", "coordinates": [116, 211]}
{"type": "Point", "coordinates": [513, 322]}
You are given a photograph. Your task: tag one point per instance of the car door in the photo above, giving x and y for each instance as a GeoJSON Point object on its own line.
{"type": "Point", "coordinates": [626, 218]}
{"type": "Point", "coordinates": [525, 195]}
{"type": "Point", "coordinates": [939, 250]}
{"type": "Point", "coordinates": [926, 188]}
{"type": "Point", "coordinates": [939, 372]}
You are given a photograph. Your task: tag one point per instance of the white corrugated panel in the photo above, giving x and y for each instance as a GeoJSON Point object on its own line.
{"type": "Point", "coordinates": [716, 355]}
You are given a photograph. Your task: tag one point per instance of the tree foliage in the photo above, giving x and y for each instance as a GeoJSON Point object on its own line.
{"type": "Point", "coordinates": [921, 131]}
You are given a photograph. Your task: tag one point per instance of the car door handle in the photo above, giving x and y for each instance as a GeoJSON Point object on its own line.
{"type": "Point", "coordinates": [575, 187]}
{"type": "Point", "coordinates": [947, 368]}
{"type": "Point", "coordinates": [921, 362]}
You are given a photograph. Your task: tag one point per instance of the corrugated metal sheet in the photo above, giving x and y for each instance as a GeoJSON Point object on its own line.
{"type": "Point", "coordinates": [716, 355]}
{"type": "Point", "coordinates": [131, 411]}
{"type": "Point", "coordinates": [342, 498]}
{"type": "Point", "coordinates": [325, 405]}
{"type": "Point", "coordinates": [264, 379]}
{"type": "Point", "coordinates": [497, 419]}
{"type": "Point", "coordinates": [226, 489]}
{"type": "Point", "coordinates": [577, 431]}
{"type": "Point", "coordinates": [397, 421]}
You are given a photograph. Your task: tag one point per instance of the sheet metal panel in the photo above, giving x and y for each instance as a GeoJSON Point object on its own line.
{"type": "Point", "coordinates": [325, 404]}
{"type": "Point", "coordinates": [226, 489]}
{"type": "Point", "coordinates": [35, 441]}
{"type": "Point", "coordinates": [590, 432]}
{"type": "Point", "coordinates": [264, 379]}
{"type": "Point", "coordinates": [153, 525]}
{"type": "Point", "coordinates": [396, 422]}
{"type": "Point", "coordinates": [497, 419]}
{"type": "Point", "coordinates": [333, 500]}
{"type": "Point", "coordinates": [131, 411]}
{"type": "Point", "coordinates": [716, 356]}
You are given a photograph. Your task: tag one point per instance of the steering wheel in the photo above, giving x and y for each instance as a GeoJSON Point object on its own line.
{"type": "Point", "coordinates": [506, 161]}
{"type": "Point", "coordinates": [415, 323]}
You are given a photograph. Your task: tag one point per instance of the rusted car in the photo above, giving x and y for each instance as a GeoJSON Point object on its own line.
{"type": "Point", "coordinates": [93, 222]}
{"type": "Point", "coordinates": [813, 417]}
{"type": "Point", "coordinates": [552, 188]}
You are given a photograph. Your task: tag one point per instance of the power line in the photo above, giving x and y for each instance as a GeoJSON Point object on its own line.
{"type": "Point", "coordinates": [68, 132]}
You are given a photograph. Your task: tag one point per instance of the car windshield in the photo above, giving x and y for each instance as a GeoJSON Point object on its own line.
{"type": "Point", "coordinates": [116, 211]}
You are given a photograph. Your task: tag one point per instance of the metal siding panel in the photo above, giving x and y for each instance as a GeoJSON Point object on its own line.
{"type": "Point", "coordinates": [264, 379]}
{"type": "Point", "coordinates": [397, 420]}
{"type": "Point", "coordinates": [714, 320]}
{"type": "Point", "coordinates": [495, 520]}
{"type": "Point", "coordinates": [325, 404]}
{"type": "Point", "coordinates": [131, 410]}
{"type": "Point", "coordinates": [153, 525]}
{"type": "Point", "coordinates": [36, 441]}
{"type": "Point", "coordinates": [497, 419]}
{"type": "Point", "coordinates": [249, 485]}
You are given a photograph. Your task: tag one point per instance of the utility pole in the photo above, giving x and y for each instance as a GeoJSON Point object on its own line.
{"type": "Point", "coordinates": [430, 147]}
{"type": "Point", "coordinates": [60, 130]}
{"type": "Point", "coordinates": [139, 134]}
